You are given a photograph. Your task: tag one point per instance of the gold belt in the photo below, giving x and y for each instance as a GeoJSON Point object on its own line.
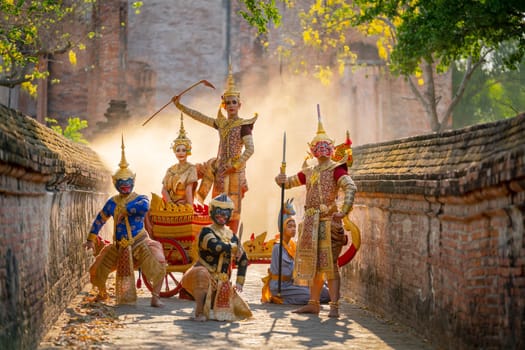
{"type": "Point", "coordinates": [124, 242]}
{"type": "Point", "coordinates": [216, 275]}
{"type": "Point", "coordinates": [283, 278]}
{"type": "Point", "coordinates": [323, 210]}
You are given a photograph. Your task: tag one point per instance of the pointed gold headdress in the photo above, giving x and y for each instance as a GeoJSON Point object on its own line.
{"type": "Point", "coordinates": [321, 134]}
{"type": "Point", "coordinates": [182, 139]}
{"type": "Point", "coordinates": [231, 90]}
{"type": "Point", "coordinates": [123, 172]}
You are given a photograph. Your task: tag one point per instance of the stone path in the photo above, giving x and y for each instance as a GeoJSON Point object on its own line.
{"type": "Point", "coordinates": [272, 327]}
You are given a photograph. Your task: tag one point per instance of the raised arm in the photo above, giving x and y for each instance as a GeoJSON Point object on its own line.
{"type": "Point", "coordinates": [198, 116]}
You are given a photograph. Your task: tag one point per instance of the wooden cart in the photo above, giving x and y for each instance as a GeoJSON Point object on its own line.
{"type": "Point", "coordinates": [176, 227]}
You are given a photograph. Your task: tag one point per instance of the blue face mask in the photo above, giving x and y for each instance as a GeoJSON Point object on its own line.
{"type": "Point", "coordinates": [125, 186]}
{"type": "Point", "coordinates": [216, 212]}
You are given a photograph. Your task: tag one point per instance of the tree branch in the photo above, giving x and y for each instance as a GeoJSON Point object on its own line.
{"type": "Point", "coordinates": [428, 70]}
{"type": "Point", "coordinates": [419, 95]}
{"type": "Point", "coordinates": [18, 76]}
{"type": "Point", "coordinates": [428, 103]}
{"type": "Point", "coordinates": [11, 83]}
{"type": "Point", "coordinates": [461, 89]}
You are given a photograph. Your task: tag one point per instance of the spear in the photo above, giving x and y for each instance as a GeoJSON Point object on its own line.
{"type": "Point", "coordinates": [205, 82]}
{"type": "Point", "coordinates": [281, 221]}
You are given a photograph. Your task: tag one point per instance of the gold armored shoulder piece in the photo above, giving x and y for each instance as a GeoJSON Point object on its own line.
{"type": "Point", "coordinates": [251, 120]}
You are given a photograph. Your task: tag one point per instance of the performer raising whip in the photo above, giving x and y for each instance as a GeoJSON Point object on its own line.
{"type": "Point", "coordinates": [323, 234]}
{"type": "Point", "coordinates": [227, 171]}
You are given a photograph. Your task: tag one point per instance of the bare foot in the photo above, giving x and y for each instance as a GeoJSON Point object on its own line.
{"type": "Point", "coordinates": [155, 302]}
{"type": "Point", "coordinates": [308, 309]}
{"type": "Point", "coordinates": [334, 309]}
{"type": "Point", "coordinates": [276, 299]}
{"type": "Point", "coordinates": [99, 297]}
{"type": "Point", "coordinates": [200, 318]}
{"type": "Point", "coordinates": [334, 312]}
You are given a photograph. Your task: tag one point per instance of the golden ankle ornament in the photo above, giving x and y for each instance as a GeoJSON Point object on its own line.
{"type": "Point", "coordinates": [334, 309]}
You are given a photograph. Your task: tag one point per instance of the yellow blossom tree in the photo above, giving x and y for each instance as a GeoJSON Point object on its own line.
{"type": "Point", "coordinates": [417, 39]}
{"type": "Point", "coordinates": [31, 30]}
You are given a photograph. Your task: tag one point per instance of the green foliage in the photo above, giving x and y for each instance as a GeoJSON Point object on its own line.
{"type": "Point", "coordinates": [33, 29]}
{"type": "Point", "coordinates": [72, 130]}
{"type": "Point", "coordinates": [28, 31]}
{"type": "Point", "coordinates": [418, 39]}
{"type": "Point", "coordinates": [431, 35]}
{"type": "Point", "coordinates": [412, 31]}
{"type": "Point", "coordinates": [491, 95]}
{"type": "Point", "coordinates": [260, 13]}
{"type": "Point", "coordinates": [448, 30]}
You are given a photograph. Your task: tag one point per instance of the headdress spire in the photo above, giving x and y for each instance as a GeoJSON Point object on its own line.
{"type": "Point", "coordinates": [123, 172]}
{"type": "Point", "coordinates": [287, 213]}
{"type": "Point", "coordinates": [231, 90]}
{"type": "Point", "coordinates": [123, 162]}
{"type": "Point", "coordinates": [321, 134]}
{"type": "Point", "coordinates": [182, 139]}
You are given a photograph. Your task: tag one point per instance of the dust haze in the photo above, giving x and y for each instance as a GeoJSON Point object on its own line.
{"type": "Point", "coordinates": [290, 107]}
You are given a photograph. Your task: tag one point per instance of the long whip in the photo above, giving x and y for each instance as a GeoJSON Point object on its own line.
{"type": "Point", "coordinates": [205, 82]}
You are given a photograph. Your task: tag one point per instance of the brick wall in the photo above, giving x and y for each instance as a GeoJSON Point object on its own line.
{"type": "Point", "coordinates": [442, 221]}
{"type": "Point", "coordinates": [50, 191]}
{"type": "Point", "coordinates": [102, 73]}
{"type": "Point", "coordinates": [109, 80]}
{"type": "Point", "coordinates": [183, 42]}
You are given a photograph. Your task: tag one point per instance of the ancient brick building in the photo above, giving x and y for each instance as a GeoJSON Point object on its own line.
{"type": "Point", "coordinates": [145, 58]}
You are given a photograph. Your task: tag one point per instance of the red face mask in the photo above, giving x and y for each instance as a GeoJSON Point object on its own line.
{"type": "Point", "coordinates": [322, 149]}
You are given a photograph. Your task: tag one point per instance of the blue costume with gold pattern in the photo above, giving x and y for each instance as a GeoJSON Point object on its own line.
{"type": "Point", "coordinates": [136, 206]}
{"type": "Point", "coordinates": [131, 246]}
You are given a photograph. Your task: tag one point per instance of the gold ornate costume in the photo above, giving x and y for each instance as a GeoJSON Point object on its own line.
{"type": "Point", "coordinates": [208, 281]}
{"type": "Point", "coordinates": [322, 238]}
{"type": "Point", "coordinates": [235, 134]}
{"type": "Point", "coordinates": [131, 246]}
{"type": "Point", "coordinates": [182, 174]}
{"type": "Point", "coordinates": [177, 177]}
{"type": "Point", "coordinates": [322, 235]}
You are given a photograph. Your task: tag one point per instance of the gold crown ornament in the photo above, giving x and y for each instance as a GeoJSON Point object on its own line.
{"type": "Point", "coordinates": [231, 90]}
{"type": "Point", "coordinates": [343, 151]}
{"type": "Point", "coordinates": [320, 135]}
{"type": "Point", "coordinates": [182, 139]}
{"type": "Point", "coordinates": [123, 172]}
